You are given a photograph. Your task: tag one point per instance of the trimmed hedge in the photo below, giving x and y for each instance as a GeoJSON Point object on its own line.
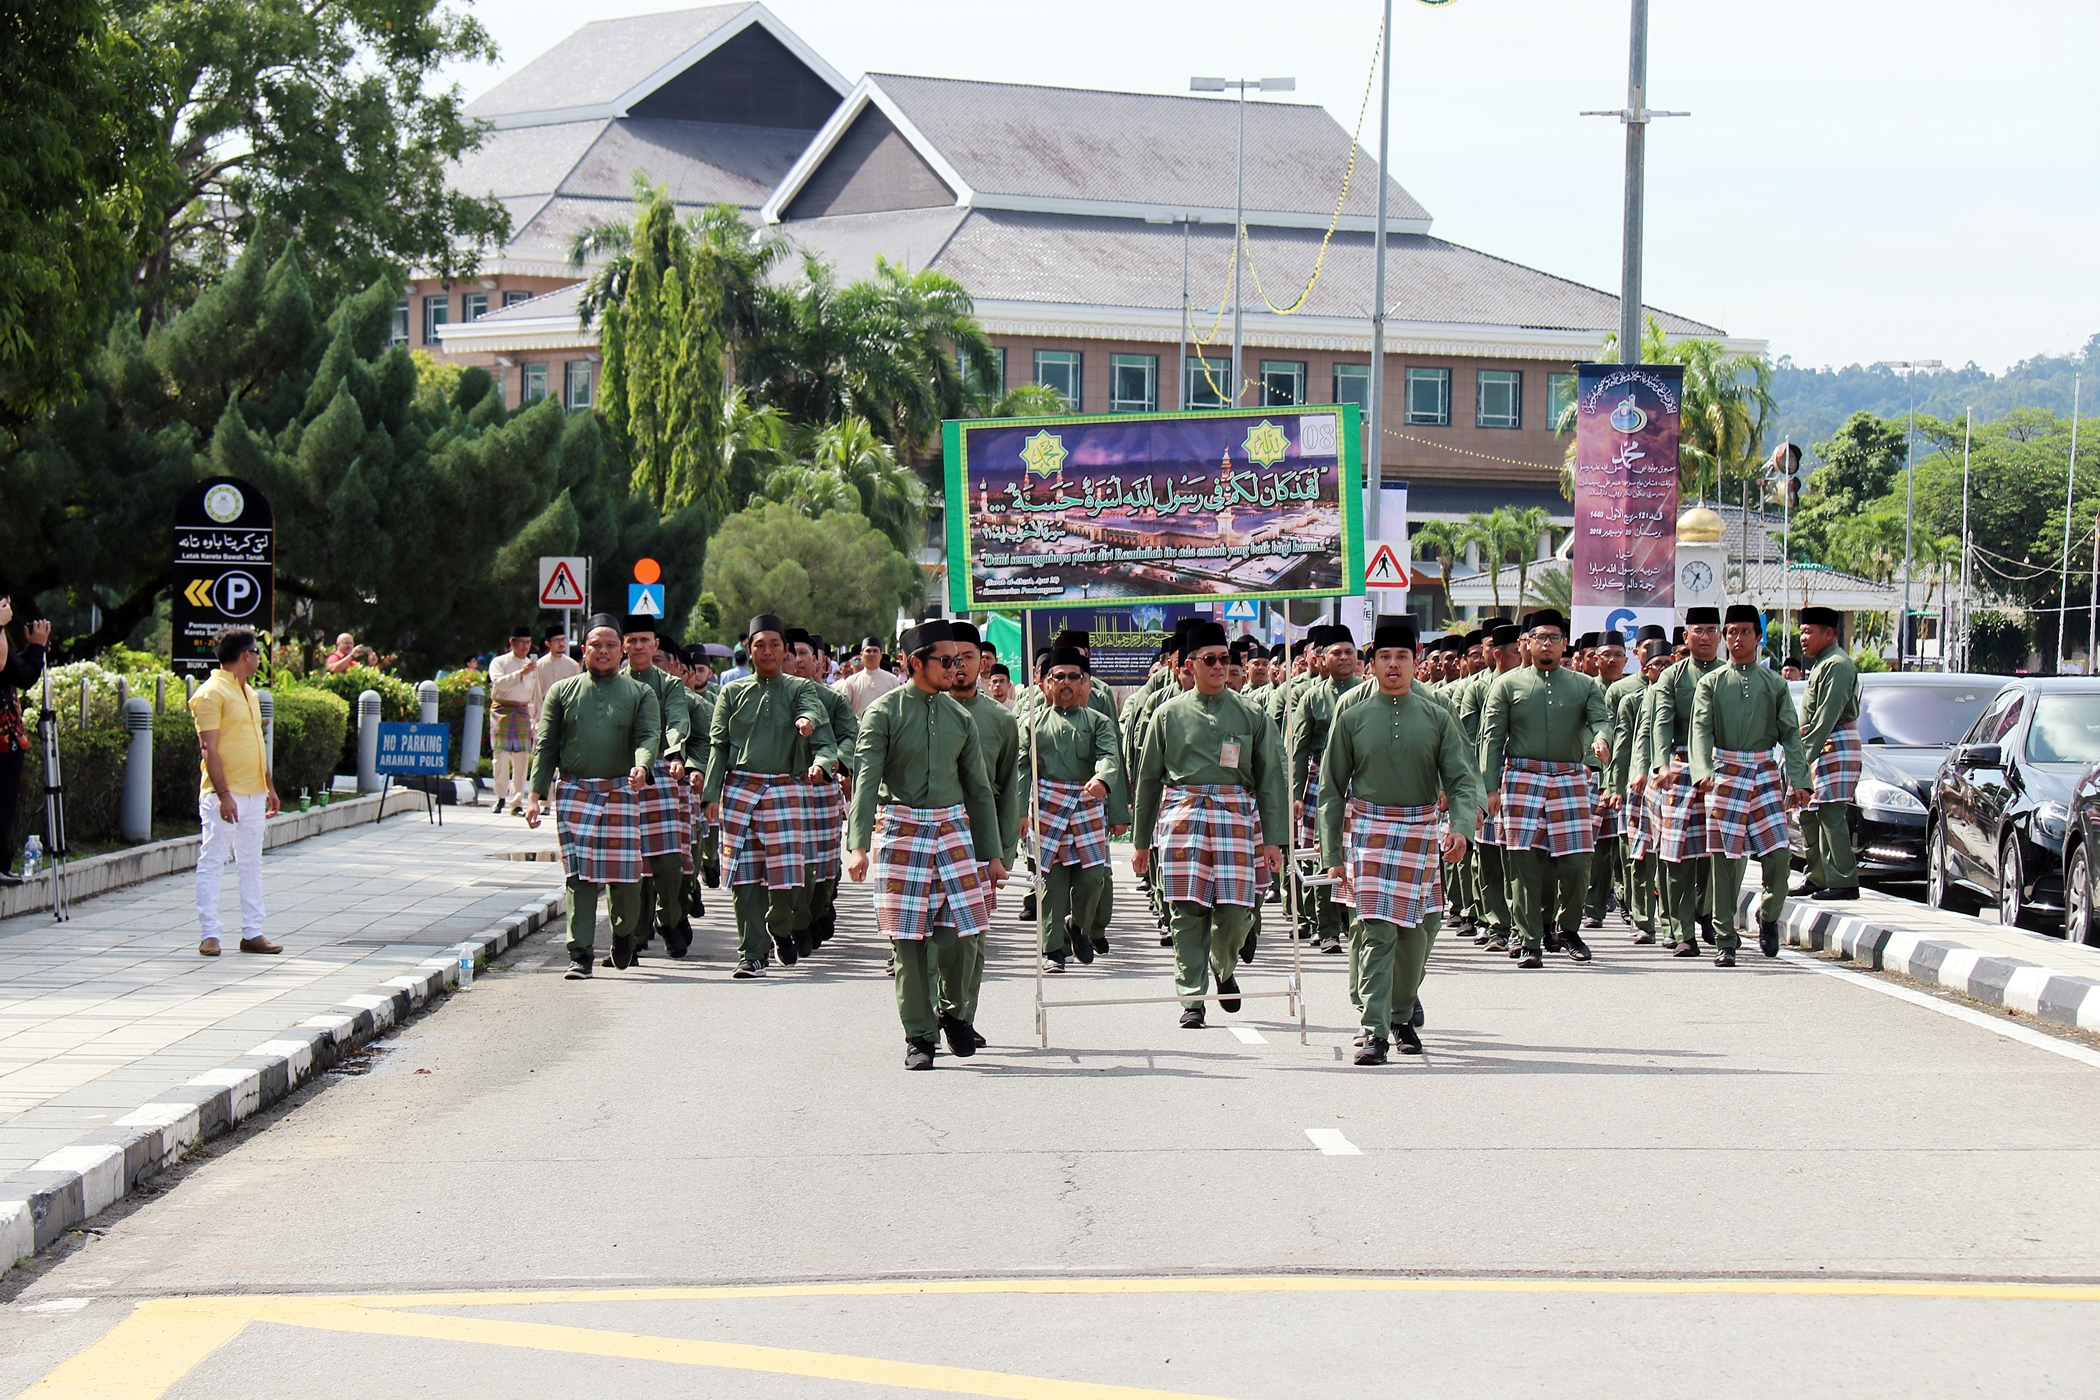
{"type": "Point", "coordinates": [91, 762]}
{"type": "Point", "coordinates": [311, 727]}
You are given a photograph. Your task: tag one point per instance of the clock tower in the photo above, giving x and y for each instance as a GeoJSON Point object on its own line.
{"type": "Point", "coordinates": [1702, 560]}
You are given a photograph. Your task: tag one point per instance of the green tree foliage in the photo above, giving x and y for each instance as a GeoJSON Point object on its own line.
{"type": "Point", "coordinates": [82, 165]}
{"type": "Point", "coordinates": [836, 574]}
{"type": "Point", "coordinates": [1998, 643]}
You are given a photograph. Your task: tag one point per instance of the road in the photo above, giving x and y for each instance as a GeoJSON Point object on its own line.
{"type": "Point", "coordinates": [1642, 1177]}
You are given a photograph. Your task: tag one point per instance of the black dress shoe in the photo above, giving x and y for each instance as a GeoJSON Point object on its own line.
{"type": "Point", "coordinates": [918, 1052]}
{"type": "Point", "coordinates": [1592, 921]}
{"type": "Point", "coordinates": [1551, 940]}
{"type": "Point", "coordinates": [1406, 1041]}
{"type": "Point", "coordinates": [1027, 914]}
{"type": "Point", "coordinates": [712, 873]}
{"type": "Point", "coordinates": [1725, 958]}
{"type": "Point", "coordinates": [1248, 949]}
{"type": "Point", "coordinates": [979, 1041]}
{"type": "Point", "coordinates": [1418, 1019]}
{"type": "Point", "coordinates": [9, 878]}
{"type": "Point", "coordinates": [1497, 943]}
{"type": "Point", "coordinates": [962, 1040]}
{"type": "Point", "coordinates": [1643, 936]}
{"type": "Point", "coordinates": [1100, 945]}
{"type": "Point", "coordinates": [1371, 1053]}
{"type": "Point", "coordinates": [1807, 889]}
{"type": "Point", "coordinates": [804, 945]}
{"type": "Point", "coordinates": [1576, 948]}
{"type": "Point", "coordinates": [789, 953]}
{"type": "Point", "coordinates": [1166, 940]}
{"type": "Point", "coordinates": [1706, 932]}
{"type": "Point", "coordinates": [1768, 940]}
{"type": "Point", "coordinates": [622, 953]}
{"type": "Point", "coordinates": [1082, 947]}
{"type": "Point", "coordinates": [1686, 949]}
{"type": "Point", "coordinates": [1483, 937]}
{"type": "Point", "coordinates": [1851, 893]}
{"type": "Point", "coordinates": [678, 941]}
{"type": "Point", "coordinates": [1192, 1019]}
{"type": "Point", "coordinates": [1532, 958]}
{"type": "Point", "coordinates": [1228, 995]}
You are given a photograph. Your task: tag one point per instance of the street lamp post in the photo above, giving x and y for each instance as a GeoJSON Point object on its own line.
{"type": "Point", "coordinates": [1239, 196]}
{"type": "Point", "coordinates": [1635, 115]}
{"type": "Point", "coordinates": [1910, 449]}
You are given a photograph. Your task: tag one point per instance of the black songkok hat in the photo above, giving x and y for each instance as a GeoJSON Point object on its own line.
{"type": "Point", "coordinates": [1821, 617]}
{"type": "Point", "coordinates": [666, 641]}
{"type": "Point", "coordinates": [1610, 639]}
{"type": "Point", "coordinates": [1204, 633]}
{"type": "Point", "coordinates": [930, 633]}
{"type": "Point", "coordinates": [765, 622]}
{"type": "Point", "coordinates": [1277, 652]}
{"type": "Point", "coordinates": [1545, 617]}
{"type": "Point", "coordinates": [866, 642]}
{"type": "Point", "coordinates": [598, 620]}
{"type": "Point", "coordinates": [1652, 632]}
{"type": "Point", "coordinates": [1506, 634]}
{"type": "Point", "coordinates": [793, 637]}
{"type": "Point", "coordinates": [1798, 663]}
{"type": "Point", "coordinates": [1395, 634]}
{"type": "Point", "coordinates": [964, 631]}
{"type": "Point", "coordinates": [1677, 633]}
{"type": "Point", "coordinates": [557, 630]}
{"type": "Point", "coordinates": [1339, 633]}
{"type": "Point", "coordinates": [1660, 646]}
{"type": "Point", "coordinates": [1743, 612]}
{"type": "Point", "coordinates": [696, 655]}
{"type": "Point", "coordinates": [1473, 638]}
{"type": "Point", "coordinates": [1073, 637]}
{"type": "Point", "coordinates": [1068, 656]}
{"type": "Point", "coordinates": [1702, 617]}
{"type": "Point", "coordinates": [639, 622]}
{"type": "Point", "coordinates": [517, 632]}
{"type": "Point", "coordinates": [1586, 641]}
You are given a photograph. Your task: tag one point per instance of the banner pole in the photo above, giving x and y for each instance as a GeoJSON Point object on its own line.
{"type": "Point", "coordinates": [1035, 826]}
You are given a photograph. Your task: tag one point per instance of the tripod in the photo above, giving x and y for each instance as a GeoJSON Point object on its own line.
{"type": "Point", "coordinates": [54, 806]}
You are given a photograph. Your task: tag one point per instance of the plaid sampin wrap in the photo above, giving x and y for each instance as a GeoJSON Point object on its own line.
{"type": "Point", "coordinates": [1644, 820]}
{"type": "Point", "coordinates": [510, 727]}
{"type": "Point", "coordinates": [1395, 873]}
{"type": "Point", "coordinates": [1837, 767]}
{"type": "Point", "coordinates": [1746, 811]}
{"type": "Point", "coordinates": [1680, 821]}
{"type": "Point", "coordinates": [926, 872]}
{"type": "Point", "coordinates": [765, 828]}
{"type": "Point", "coordinates": [597, 821]}
{"type": "Point", "coordinates": [824, 806]}
{"type": "Point", "coordinates": [1209, 844]}
{"type": "Point", "coordinates": [1075, 826]}
{"type": "Point", "coordinates": [1605, 819]}
{"type": "Point", "coordinates": [1546, 805]}
{"type": "Point", "coordinates": [664, 819]}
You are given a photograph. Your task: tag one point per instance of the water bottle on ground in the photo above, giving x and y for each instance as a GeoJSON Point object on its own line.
{"type": "Point", "coordinates": [32, 856]}
{"type": "Point", "coordinates": [466, 968]}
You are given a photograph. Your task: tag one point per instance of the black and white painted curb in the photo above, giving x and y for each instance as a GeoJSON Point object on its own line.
{"type": "Point", "coordinates": [2013, 983]}
{"type": "Point", "coordinates": [79, 1181]}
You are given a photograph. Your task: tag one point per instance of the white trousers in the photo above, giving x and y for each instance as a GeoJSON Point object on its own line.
{"type": "Point", "coordinates": [513, 770]}
{"type": "Point", "coordinates": [240, 842]}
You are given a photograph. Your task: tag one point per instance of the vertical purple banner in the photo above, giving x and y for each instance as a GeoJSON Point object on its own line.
{"type": "Point", "coordinates": [1626, 436]}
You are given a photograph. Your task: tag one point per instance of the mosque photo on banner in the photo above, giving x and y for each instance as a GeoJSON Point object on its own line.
{"type": "Point", "coordinates": [1154, 508]}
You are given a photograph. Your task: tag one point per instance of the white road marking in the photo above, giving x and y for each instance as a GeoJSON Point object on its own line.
{"type": "Point", "coordinates": [1332, 1144]}
{"type": "Point", "coordinates": [56, 1305]}
{"type": "Point", "coordinates": [2026, 1035]}
{"type": "Point", "coordinates": [1246, 1035]}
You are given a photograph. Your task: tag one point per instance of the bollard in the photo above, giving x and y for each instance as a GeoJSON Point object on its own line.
{"type": "Point", "coordinates": [368, 741]}
{"type": "Point", "coordinates": [470, 738]}
{"type": "Point", "coordinates": [268, 704]}
{"type": "Point", "coordinates": [160, 693]}
{"type": "Point", "coordinates": [83, 702]}
{"type": "Point", "coordinates": [189, 690]}
{"type": "Point", "coordinates": [123, 694]}
{"type": "Point", "coordinates": [135, 814]}
{"type": "Point", "coordinates": [427, 696]}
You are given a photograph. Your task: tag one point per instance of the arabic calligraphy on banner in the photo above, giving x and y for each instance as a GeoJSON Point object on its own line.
{"type": "Point", "coordinates": [1133, 508]}
{"type": "Point", "coordinates": [1626, 436]}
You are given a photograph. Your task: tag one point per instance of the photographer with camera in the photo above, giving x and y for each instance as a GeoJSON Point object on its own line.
{"type": "Point", "coordinates": [21, 664]}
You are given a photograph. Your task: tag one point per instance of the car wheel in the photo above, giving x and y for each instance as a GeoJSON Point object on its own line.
{"type": "Point", "coordinates": [2078, 897]}
{"type": "Point", "coordinates": [1940, 890]}
{"type": "Point", "coordinates": [2013, 911]}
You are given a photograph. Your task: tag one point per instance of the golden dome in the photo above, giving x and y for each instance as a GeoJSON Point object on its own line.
{"type": "Point", "coordinates": [1699, 526]}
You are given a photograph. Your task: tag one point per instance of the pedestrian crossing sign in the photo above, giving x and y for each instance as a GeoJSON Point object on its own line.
{"type": "Point", "coordinates": [1241, 610]}
{"type": "Point", "coordinates": [561, 581]}
{"type": "Point", "coordinates": [645, 599]}
{"type": "Point", "coordinates": [1386, 569]}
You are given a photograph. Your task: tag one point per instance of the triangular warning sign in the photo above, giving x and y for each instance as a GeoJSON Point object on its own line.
{"type": "Point", "coordinates": [562, 590]}
{"type": "Point", "coordinates": [1385, 569]}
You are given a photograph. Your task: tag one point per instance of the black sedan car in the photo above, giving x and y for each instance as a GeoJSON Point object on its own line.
{"type": "Point", "coordinates": [2001, 804]}
{"type": "Point", "coordinates": [1907, 723]}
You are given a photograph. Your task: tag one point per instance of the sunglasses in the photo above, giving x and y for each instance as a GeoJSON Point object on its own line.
{"type": "Point", "coordinates": [1208, 659]}
{"type": "Point", "coordinates": [949, 661]}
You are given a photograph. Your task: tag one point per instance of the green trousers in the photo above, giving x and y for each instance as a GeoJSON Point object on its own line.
{"type": "Point", "coordinates": [1828, 837]}
{"type": "Point", "coordinates": [1491, 888]}
{"type": "Point", "coordinates": [1393, 961]}
{"type": "Point", "coordinates": [663, 888]}
{"type": "Point", "coordinates": [1607, 873]}
{"type": "Point", "coordinates": [1728, 889]}
{"type": "Point", "coordinates": [1458, 888]}
{"type": "Point", "coordinates": [1077, 890]}
{"type": "Point", "coordinates": [1104, 910]}
{"type": "Point", "coordinates": [924, 967]}
{"type": "Point", "coordinates": [763, 917]}
{"type": "Point", "coordinates": [1643, 875]}
{"type": "Point", "coordinates": [1687, 897]}
{"type": "Point", "coordinates": [1206, 940]}
{"type": "Point", "coordinates": [813, 901]}
{"type": "Point", "coordinates": [1545, 889]}
{"type": "Point", "coordinates": [626, 907]}
{"type": "Point", "coordinates": [961, 974]}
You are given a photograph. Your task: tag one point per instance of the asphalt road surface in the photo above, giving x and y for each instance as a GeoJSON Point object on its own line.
{"type": "Point", "coordinates": [1642, 1177]}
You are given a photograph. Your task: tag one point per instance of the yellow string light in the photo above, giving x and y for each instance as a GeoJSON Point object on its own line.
{"type": "Point", "coordinates": [1466, 452]}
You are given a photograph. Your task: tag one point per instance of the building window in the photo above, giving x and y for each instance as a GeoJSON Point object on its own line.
{"type": "Point", "coordinates": [1282, 383]}
{"type": "Point", "coordinates": [1560, 397]}
{"type": "Point", "coordinates": [1429, 396]}
{"type": "Point", "coordinates": [1133, 383]}
{"type": "Point", "coordinates": [979, 388]}
{"type": "Point", "coordinates": [532, 384]}
{"type": "Point", "coordinates": [1352, 384]}
{"type": "Point", "coordinates": [513, 298]}
{"type": "Point", "coordinates": [1500, 401]}
{"type": "Point", "coordinates": [473, 306]}
{"type": "Point", "coordinates": [576, 384]}
{"type": "Point", "coordinates": [1060, 370]}
{"type": "Point", "coordinates": [437, 311]}
{"type": "Point", "coordinates": [1209, 383]}
{"type": "Point", "coordinates": [398, 335]}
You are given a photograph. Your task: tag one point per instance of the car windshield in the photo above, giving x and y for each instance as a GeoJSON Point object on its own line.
{"type": "Point", "coordinates": [2066, 729]}
{"type": "Point", "coordinates": [1920, 715]}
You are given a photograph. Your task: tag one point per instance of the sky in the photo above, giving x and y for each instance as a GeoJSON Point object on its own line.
{"type": "Point", "coordinates": [1859, 179]}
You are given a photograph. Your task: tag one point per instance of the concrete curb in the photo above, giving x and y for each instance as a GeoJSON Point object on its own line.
{"type": "Point", "coordinates": [101, 874]}
{"type": "Point", "coordinates": [79, 1181]}
{"type": "Point", "coordinates": [2013, 983]}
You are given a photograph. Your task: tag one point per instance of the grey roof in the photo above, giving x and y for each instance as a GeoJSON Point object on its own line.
{"type": "Point", "coordinates": [1071, 259]}
{"type": "Point", "coordinates": [1082, 144]}
{"type": "Point", "coordinates": [601, 61]}
{"type": "Point", "coordinates": [562, 301]}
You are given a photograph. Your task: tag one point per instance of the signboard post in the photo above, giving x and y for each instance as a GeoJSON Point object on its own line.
{"type": "Point", "coordinates": [645, 596]}
{"type": "Point", "coordinates": [1626, 437]}
{"type": "Point", "coordinates": [564, 584]}
{"type": "Point", "coordinates": [224, 572]}
{"type": "Point", "coordinates": [1128, 509]}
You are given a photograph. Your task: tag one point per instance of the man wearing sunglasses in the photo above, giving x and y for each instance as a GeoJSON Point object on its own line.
{"type": "Point", "coordinates": [239, 795]}
{"type": "Point", "coordinates": [935, 838]}
{"type": "Point", "coordinates": [1539, 726]}
{"type": "Point", "coordinates": [1213, 798]}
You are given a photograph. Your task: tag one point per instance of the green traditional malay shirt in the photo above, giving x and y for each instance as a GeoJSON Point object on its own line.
{"type": "Point", "coordinates": [921, 749]}
{"type": "Point", "coordinates": [1395, 751]}
{"type": "Point", "coordinates": [1624, 701]}
{"type": "Point", "coordinates": [753, 729]}
{"type": "Point", "coordinates": [1641, 762]}
{"type": "Point", "coordinates": [845, 732]}
{"type": "Point", "coordinates": [1185, 746]}
{"type": "Point", "coordinates": [1552, 716]}
{"type": "Point", "coordinates": [1832, 699]}
{"type": "Point", "coordinates": [1073, 746]}
{"type": "Point", "coordinates": [1102, 699]}
{"type": "Point", "coordinates": [1746, 707]}
{"type": "Point", "coordinates": [595, 727]}
{"type": "Point", "coordinates": [1676, 690]}
{"type": "Point", "coordinates": [1309, 726]}
{"type": "Point", "coordinates": [999, 739]}
{"type": "Point", "coordinates": [671, 702]}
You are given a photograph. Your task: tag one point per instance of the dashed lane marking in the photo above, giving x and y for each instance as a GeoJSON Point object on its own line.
{"type": "Point", "coordinates": [1332, 1144]}
{"type": "Point", "coordinates": [1247, 1035]}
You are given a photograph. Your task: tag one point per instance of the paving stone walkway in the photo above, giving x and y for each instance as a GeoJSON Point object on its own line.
{"type": "Point", "coordinates": [100, 1014]}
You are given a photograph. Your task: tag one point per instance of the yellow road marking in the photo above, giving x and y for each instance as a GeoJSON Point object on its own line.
{"type": "Point", "coordinates": [139, 1358]}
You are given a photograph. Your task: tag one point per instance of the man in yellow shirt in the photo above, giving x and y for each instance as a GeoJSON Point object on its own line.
{"type": "Point", "coordinates": [238, 796]}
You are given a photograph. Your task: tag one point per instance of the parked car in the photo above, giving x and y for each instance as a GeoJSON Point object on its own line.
{"type": "Point", "coordinates": [2001, 802]}
{"type": "Point", "coordinates": [2081, 857]}
{"type": "Point", "coordinates": [1907, 723]}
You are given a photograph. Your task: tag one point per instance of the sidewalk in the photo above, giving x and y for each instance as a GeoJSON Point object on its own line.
{"type": "Point", "coordinates": [103, 1015]}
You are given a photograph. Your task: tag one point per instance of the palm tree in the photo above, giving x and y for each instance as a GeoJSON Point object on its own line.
{"type": "Point", "coordinates": [886, 491]}
{"type": "Point", "coordinates": [1525, 528]}
{"type": "Point", "coordinates": [1727, 406]}
{"type": "Point", "coordinates": [1553, 587]}
{"type": "Point", "coordinates": [1441, 536]}
{"type": "Point", "coordinates": [1487, 532]}
{"type": "Point", "coordinates": [1022, 401]}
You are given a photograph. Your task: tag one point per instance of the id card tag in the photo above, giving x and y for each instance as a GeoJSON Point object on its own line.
{"type": "Point", "coordinates": [1229, 757]}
